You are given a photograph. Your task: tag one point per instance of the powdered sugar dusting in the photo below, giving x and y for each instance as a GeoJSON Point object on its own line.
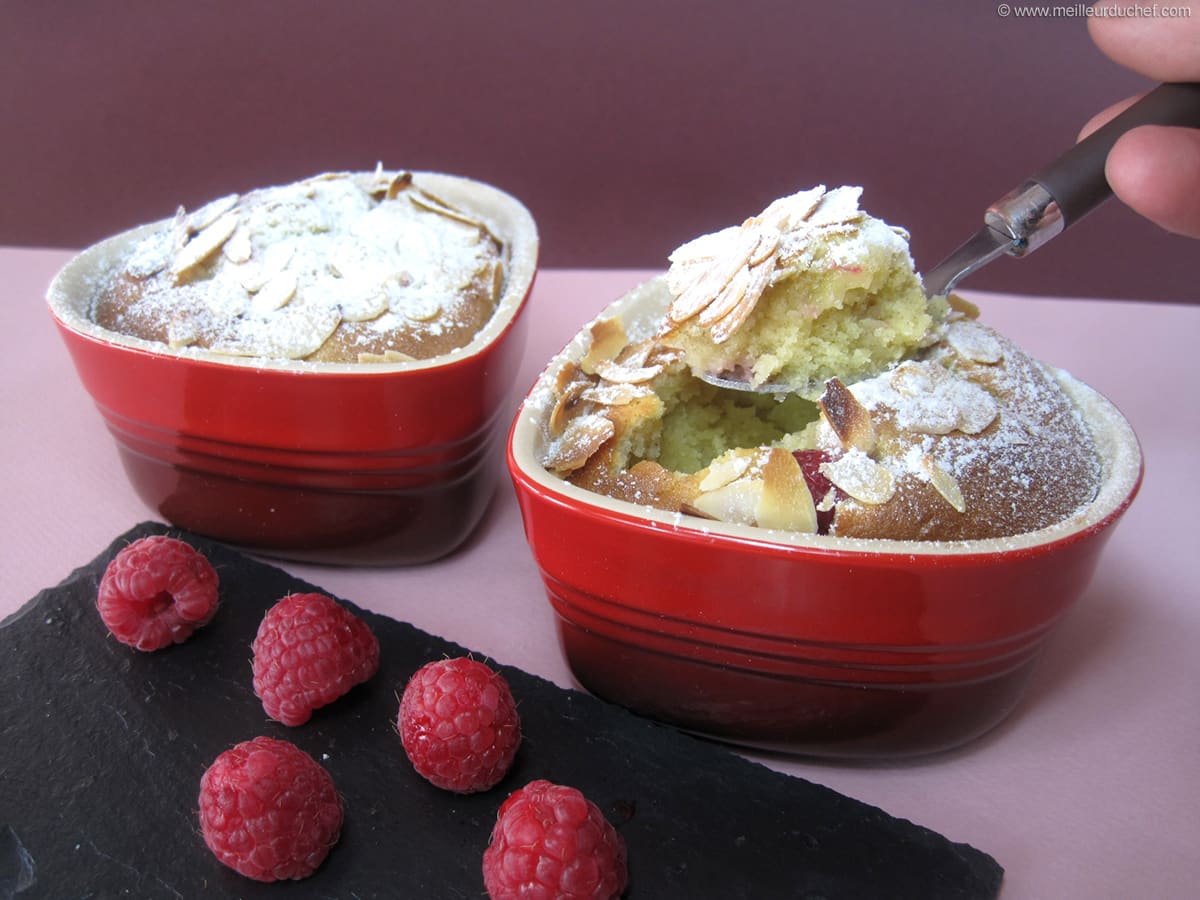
{"type": "Point", "coordinates": [1006, 435]}
{"type": "Point", "coordinates": [275, 272]}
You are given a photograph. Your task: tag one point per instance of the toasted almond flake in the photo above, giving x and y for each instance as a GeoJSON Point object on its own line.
{"type": "Point", "coordinates": [203, 245]}
{"type": "Point", "coordinates": [786, 212]}
{"type": "Point", "coordinates": [580, 440]}
{"type": "Point", "coordinates": [398, 183]}
{"type": "Point", "coordinates": [711, 279]}
{"type": "Point", "coordinates": [497, 282]}
{"type": "Point", "coordinates": [932, 414]}
{"type": "Point", "coordinates": [275, 294]}
{"type": "Point", "coordinates": [567, 374]}
{"type": "Point", "coordinates": [725, 470]}
{"type": "Point", "coordinates": [387, 356]}
{"type": "Point", "coordinates": [861, 477]}
{"type": "Point", "coordinates": [424, 309]}
{"type": "Point", "coordinates": [768, 243]}
{"type": "Point", "coordinates": [210, 212]}
{"type": "Point", "coordinates": [181, 332]}
{"type": "Point", "coordinates": [786, 502]}
{"type": "Point", "coordinates": [734, 502]}
{"type": "Point", "coordinates": [837, 207]}
{"type": "Point", "coordinates": [913, 379]}
{"type": "Point", "coordinates": [727, 298]}
{"type": "Point", "coordinates": [977, 409]}
{"type": "Point", "coordinates": [614, 393]}
{"type": "Point", "coordinates": [759, 278]}
{"type": "Point", "coordinates": [568, 398]}
{"type": "Point", "coordinates": [848, 418]}
{"type": "Point", "coordinates": [620, 374]}
{"type": "Point", "coordinates": [608, 338]}
{"type": "Point", "coordinates": [150, 257]}
{"type": "Point", "coordinates": [238, 248]}
{"type": "Point", "coordinates": [430, 203]}
{"type": "Point", "coordinates": [364, 307]}
{"type": "Point", "coordinates": [961, 306]}
{"type": "Point", "coordinates": [293, 332]}
{"type": "Point", "coordinates": [974, 342]}
{"type": "Point", "coordinates": [944, 483]}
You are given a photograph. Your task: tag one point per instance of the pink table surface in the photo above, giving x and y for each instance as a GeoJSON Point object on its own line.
{"type": "Point", "coordinates": [1091, 789]}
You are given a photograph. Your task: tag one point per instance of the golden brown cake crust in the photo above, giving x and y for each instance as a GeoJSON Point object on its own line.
{"type": "Point", "coordinates": [342, 267]}
{"type": "Point", "coordinates": [972, 439]}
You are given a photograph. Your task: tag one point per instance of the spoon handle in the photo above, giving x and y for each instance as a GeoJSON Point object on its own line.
{"type": "Point", "coordinates": [1070, 187]}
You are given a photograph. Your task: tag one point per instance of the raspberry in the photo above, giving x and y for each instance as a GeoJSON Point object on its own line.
{"type": "Point", "coordinates": [269, 811]}
{"type": "Point", "coordinates": [156, 592]}
{"type": "Point", "coordinates": [550, 841]}
{"type": "Point", "coordinates": [819, 484]}
{"type": "Point", "coordinates": [459, 725]}
{"type": "Point", "coordinates": [309, 651]}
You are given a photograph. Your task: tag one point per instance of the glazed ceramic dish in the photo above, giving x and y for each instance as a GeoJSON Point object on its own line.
{"type": "Point", "coordinates": [798, 642]}
{"type": "Point", "coordinates": [338, 462]}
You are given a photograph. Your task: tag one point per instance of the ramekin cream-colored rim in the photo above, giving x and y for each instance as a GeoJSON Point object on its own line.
{"type": "Point", "coordinates": [642, 308]}
{"type": "Point", "coordinates": [71, 292]}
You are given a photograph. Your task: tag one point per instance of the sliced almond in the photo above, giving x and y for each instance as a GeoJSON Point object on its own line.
{"type": "Point", "coordinates": [710, 280]}
{"type": "Point", "coordinates": [151, 256]}
{"type": "Point", "coordinates": [611, 371]}
{"type": "Point", "coordinates": [849, 419]}
{"type": "Point", "coordinates": [759, 278]}
{"type": "Point", "coordinates": [974, 342]}
{"type": "Point", "coordinates": [398, 183]}
{"type": "Point", "coordinates": [944, 483]}
{"type": "Point", "coordinates": [497, 281]}
{"type": "Point", "coordinates": [964, 308]}
{"type": "Point", "coordinates": [210, 212]}
{"type": "Point", "coordinates": [564, 406]}
{"type": "Point", "coordinates": [786, 502]}
{"type": "Point", "coordinates": [430, 203]}
{"type": "Point", "coordinates": [294, 332]}
{"type": "Point", "coordinates": [182, 332]}
{"type": "Point", "coordinates": [912, 379]}
{"type": "Point", "coordinates": [203, 245]}
{"type": "Point", "coordinates": [566, 375]}
{"type": "Point", "coordinates": [275, 294]}
{"type": "Point", "coordinates": [364, 307]}
{"type": "Point", "coordinates": [725, 470]}
{"type": "Point", "coordinates": [238, 248]}
{"type": "Point", "coordinates": [614, 393]}
{"type": "Point", "coordinates": [607, 339]}
{"type": "Point", "coordinates": [421, 309]}
{"type": "Point", "coordinates": [580, 440]}
{"type": "Point", "coordinates": [861, 477]}
{"type": "Point", "coordinates": [387, 356]}
{"type": "Point", "coordinates": [735, 502]}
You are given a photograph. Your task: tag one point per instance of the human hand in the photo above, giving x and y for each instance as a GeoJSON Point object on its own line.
{"type": "Point", "coordinates": [1154, 169]}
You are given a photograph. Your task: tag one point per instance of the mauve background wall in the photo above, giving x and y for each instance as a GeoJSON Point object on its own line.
{"type": "Point", "coordinates": [626, 127]}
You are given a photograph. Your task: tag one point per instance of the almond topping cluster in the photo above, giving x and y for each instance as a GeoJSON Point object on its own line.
{"type": "Point", "coordinates": [763, 487]}
{"type": "Point", "coordinates": [718, 278]}
{"type": "Point", "coordinates": [282, 268]}
{"type": "Point", "coordinates": [614, 373]}
{"type": "Point", "coordinates": [926, 398]}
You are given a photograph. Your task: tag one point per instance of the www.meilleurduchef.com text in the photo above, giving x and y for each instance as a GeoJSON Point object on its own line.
{"type": "Point", "coordinates": [1097, 10]}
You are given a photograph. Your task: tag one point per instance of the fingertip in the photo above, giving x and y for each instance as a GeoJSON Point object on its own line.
{"type": "Point", "coordinates": [1104, 116]}
{"type": "Point", "coordinates": [1155, 170]}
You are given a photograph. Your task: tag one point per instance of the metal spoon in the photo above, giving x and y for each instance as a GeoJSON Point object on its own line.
{"type": "Point", "coordinates": [1047, 203]}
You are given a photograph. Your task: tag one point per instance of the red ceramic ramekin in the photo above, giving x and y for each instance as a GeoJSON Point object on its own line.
{"type": "Point", "coordinates": [808, 644]}
{"type": "Point", "coordinates": [380, 463]}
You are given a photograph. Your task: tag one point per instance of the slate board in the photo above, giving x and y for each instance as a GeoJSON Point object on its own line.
{"type": "Point", "coordinates": [103, 748]}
